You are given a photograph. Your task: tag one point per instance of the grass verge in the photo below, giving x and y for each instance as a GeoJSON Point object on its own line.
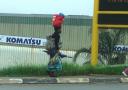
{"type": "Point", "coordinates": [68, 70]}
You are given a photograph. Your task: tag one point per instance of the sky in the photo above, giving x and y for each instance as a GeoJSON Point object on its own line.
{"type": "Point", "coordinates": [68, 7]}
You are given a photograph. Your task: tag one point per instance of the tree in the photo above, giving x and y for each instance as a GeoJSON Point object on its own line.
{"type": "Point", "coordinates": [107, 41]}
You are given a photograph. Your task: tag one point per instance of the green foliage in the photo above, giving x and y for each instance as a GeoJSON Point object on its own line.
{"type": "Point", "coordinates": [68, 70]}
{"type": "Point", "coordinates": [26, 70]}
{"type": "Point", "coordinates": [107, 41]}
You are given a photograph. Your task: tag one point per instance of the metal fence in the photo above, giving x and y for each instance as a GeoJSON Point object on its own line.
{"type": "Point", "coordinates": [112, 48]}
{"type": "Point", "coordinates": [113, 45]}
{"type": "Point", "coordinates": [76, 33]}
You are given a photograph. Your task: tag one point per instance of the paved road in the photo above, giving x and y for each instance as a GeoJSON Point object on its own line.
{"type": "Point", "coordinates": [100, 86]}
{"type": "Point", "coordinates": [66, 79]}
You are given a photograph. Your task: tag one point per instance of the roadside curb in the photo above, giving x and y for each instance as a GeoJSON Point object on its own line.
{"type": "Point", "coordinates": [11, 81]}
{"type": "Point", "coordinates": [124, 80]}
{"type": "Point", "coordinates": [72, 80]}
{"type": "Point", "coordinates": [61, 80]}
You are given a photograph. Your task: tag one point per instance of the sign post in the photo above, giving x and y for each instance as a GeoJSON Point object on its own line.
{"type": "Point", "coordinates": [107, 14]}
{"type": "Point", "coordinates": [94, 50]}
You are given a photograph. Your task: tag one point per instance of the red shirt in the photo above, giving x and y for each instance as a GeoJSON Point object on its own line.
{"type": "Point", "coordinates": [57, 20]}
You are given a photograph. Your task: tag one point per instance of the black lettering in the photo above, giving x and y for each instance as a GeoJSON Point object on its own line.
{"type": "Point", "coordinates": [114, 48]}
{"type": "Point", "coordinates": [123, 49]}
{"type": "Point", "coordinates": [38, 42]}
{"type": "Point", "coordinates": [29, 41]}
{"type": "Point", "coordinates": [19, 40]}
{"type": "Point", "coordinates": [8, 39]}
{"type": "Point", "coordinates": [126, 49]}
{"type": "Point", "coordinates": [25, 41]}
{"type": "Point", "coordinates": [119, 48]}
{"type": "Point", "coordinates": [33, 42]}
{"type": "Point", "coordinates": [13, 40]}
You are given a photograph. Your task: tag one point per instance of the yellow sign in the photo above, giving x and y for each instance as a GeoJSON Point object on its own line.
{"type": "Point", "coordinates": [107, 14]}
